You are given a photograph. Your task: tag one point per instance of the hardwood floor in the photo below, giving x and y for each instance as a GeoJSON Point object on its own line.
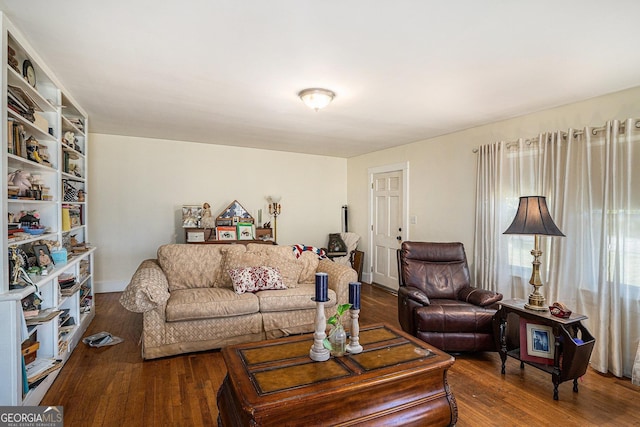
{"type": "Point", "coordinates": [112, 386]}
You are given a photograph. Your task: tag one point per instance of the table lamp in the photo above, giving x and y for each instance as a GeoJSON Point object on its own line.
{"type": "Point", "coordinates": [533, 218]}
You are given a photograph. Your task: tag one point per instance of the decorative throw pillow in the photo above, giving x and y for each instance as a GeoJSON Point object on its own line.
{"type": "Point", "coordinates": [252, 279]}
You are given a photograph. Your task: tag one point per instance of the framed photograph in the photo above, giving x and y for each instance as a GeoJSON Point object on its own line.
{"type": "Point", "coordinates": [43, 256]}
{"type": "Point", "coordinates": [191, 215]}
{"type": "Point", "coordinates": [226, 233]}
{"type": "Point", "coordinates": [245, 231]}
{"type": "Point", "coordinates": [537, 343]}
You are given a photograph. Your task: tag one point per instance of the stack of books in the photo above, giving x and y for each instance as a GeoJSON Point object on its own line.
{"type": "Point", "coordinates": [68, 284]}
{"type": "Point", "coordinates": [40, 368]}
{"type": "Point", "coordinates": [20, 102]}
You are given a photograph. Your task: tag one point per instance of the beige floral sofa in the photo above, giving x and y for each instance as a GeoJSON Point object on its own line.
{"type": "Point", "coordinates": [190, 301]}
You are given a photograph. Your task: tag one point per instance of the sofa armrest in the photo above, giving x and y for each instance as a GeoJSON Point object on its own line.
{"type": "Point", "coordinates": [339, 278]}
{"type": "Point", "coordinates": [414, 294]}
{"type": "Point", "coordinates": [479, 297]}
{"type": "Point", "coordinates": [148, 289]}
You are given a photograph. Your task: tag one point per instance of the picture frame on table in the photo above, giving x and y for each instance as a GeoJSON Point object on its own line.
{"type": "Point", "coordinates": [245, 231]}
{"type": "Point", "coordinates": [537, 342]}
{"type": "Point", "coordinates": [226, 233]}
{"type": "Point", "coordinates": [191, 215]}
{"type": "Point", "coordinates": [43, 256]}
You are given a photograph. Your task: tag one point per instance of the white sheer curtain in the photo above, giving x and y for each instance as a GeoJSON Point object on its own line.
{"type": "Point", "coordinates": [591, 178]}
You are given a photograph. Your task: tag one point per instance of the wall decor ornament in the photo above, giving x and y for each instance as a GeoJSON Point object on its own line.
{"type": "Point", "coordinates": [234, 214]}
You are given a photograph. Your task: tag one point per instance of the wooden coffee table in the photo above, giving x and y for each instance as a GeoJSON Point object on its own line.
{"type": "Point", "coordinates": [396, 380]}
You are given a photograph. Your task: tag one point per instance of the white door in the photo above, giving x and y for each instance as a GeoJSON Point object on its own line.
{"type": "Point", "coordinates": [387, 227]}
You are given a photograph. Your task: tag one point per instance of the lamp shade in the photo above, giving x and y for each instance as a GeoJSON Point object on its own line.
{"type": "Point", "coordinates": [533, 218]}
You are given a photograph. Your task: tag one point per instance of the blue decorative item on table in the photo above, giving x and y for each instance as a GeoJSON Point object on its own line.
{"type": "Point", "coordinates": [34, 231]}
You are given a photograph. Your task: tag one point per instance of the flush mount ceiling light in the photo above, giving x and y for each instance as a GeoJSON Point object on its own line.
{"type": "Point", "coordinates": [316, 98]}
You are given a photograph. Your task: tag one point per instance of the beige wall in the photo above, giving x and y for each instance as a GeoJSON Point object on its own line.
{"type": "Point", "coordinates": [138, 186]}
{"type": "Point", "coordinates": [442, 170]}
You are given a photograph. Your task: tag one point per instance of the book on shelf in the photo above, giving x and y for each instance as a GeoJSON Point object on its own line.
{"type": "Point", "coordinates": [66, 279]}
{"type": "Point", "coordinates": [68, 291]}
{"type": "Point", "coordinates": [63, 346]}
{"type": "Point", "coordinates": [40, 368]}
{"type": "Point", "coordinates": [66, 329]}
{"type": "Point", "coordinates": [67, 320]}
{"type": "Point", "coordinates": [25, 382]}
{"type": "Point", "coordinates": [22, 100]}
{"type": "Point", "coordinates": [64, 316]}
{"type": "Point", "coordinates": [67, 283]}
{"type": "Point", "coordinates": [30, 314]}
{"type": "Point", "coordinates": [10, 145]}
{"type": "Point", "coordinates": [43, 316]}
{"type": "Point", "coordinates": [16, 139]}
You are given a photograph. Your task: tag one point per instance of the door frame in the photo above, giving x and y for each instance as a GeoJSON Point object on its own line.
{"type": "Point", "coordinates": [404, 167]}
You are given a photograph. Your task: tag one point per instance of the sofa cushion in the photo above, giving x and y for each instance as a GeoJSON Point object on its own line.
{"type": "Point", "coordinates": [193, 266]}
{"type": "Point", "coordinates": [234, 260]}
{"type": "Point", "coordinates": [310, 263]}
{"type": "Point", "coordinates": [251, 279]}
{"type": "Point", "coordinates": [209, 303]}
{"type": "Point", "coordinates": [298, 298]}
{"type": "Point", "coordinates": [281, 257]}
{"type": "Point", "coordinates": [289, 268]}
{"type": "Point", "coordinates": [453, 316]}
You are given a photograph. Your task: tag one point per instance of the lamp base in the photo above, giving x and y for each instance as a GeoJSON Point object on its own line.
{"type": "Point", "coordinates": [536, 299]}
{"type": "Point", "coordinates": [536, 302]}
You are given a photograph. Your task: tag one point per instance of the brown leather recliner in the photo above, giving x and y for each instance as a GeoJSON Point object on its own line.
{"type": "Point", "coordinates": [436, 302]}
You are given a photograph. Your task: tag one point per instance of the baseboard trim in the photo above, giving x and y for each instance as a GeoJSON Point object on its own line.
{"type": "Point", "coordinates": [109, 286]}
{"type": "Point", "coordinates": [385, 289]}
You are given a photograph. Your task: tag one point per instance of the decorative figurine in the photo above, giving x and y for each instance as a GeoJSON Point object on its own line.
{"type": "Point", "coordinates": [207, 220]}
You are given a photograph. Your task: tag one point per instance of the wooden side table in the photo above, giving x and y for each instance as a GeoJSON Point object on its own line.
{"type": "Point", "coordinates": [561, 347]}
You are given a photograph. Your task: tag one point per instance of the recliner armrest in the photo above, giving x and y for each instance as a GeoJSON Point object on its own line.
{"type": "Point", "coordinates": [414, 294]}
{"type": "Point", "coordinates": [479, 297]}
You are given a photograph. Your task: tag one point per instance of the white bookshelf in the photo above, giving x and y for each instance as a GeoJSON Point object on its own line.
{"type": "Point", "coordinates": [61, 131]}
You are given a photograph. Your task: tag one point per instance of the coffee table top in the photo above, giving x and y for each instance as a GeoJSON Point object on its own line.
{"type": "Point", "coordinates": [283, 367]}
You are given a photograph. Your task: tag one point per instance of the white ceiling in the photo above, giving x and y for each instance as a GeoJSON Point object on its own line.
{"type": "Point", "coordinates": [227, 72]}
